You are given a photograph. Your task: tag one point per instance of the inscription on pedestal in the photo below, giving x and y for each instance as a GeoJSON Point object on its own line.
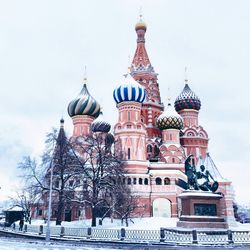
{"type": "Point", "coordinates": [205, 209]}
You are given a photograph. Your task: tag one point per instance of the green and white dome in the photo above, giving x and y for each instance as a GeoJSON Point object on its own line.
{"type": "Point", "coordinates": [84, 104]}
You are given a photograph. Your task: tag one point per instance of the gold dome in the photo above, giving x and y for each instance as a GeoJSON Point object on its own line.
{"type": "Point", "coordinates": [141, 26]}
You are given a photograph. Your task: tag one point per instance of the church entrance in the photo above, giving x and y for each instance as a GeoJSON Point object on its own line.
{"type": "Point", "coordinates": [161, 208]}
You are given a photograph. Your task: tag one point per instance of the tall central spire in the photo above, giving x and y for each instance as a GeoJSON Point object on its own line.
{"type": "Point", "coordinates": [141, 60]}
{"type": "Point", "coordinates": [143, 72]}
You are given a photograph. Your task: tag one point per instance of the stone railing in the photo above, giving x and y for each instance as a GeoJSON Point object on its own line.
{"type": "Point", "coordinates": [164, 235]}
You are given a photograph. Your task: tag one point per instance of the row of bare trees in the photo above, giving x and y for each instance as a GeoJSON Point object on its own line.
{"type": "Point", "coordinates": [86, 171]}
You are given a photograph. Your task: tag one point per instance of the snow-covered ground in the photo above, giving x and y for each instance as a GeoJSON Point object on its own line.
{"type": "Point", "coordinates": [152, 223]}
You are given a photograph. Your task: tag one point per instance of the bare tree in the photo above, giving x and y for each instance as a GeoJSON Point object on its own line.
{"type": "Point", "coordinates": [125, 203]}
{"type": "Point", "coordinates": [99, 168]}
{"type": "Point", "coordinates": [25, 200]}
{"type": "Point", "coordinates": [58, 154]}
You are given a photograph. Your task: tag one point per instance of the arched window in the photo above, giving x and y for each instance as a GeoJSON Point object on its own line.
{"type": "Point", "coordinates": [158, 181]}
{"type": "Point", "coordinates": [146, 181]}
{"type": "Point", "coordinates": [134, 181]}
{"type": "Point", "coordinates": [166, 181]}
{"type": "Point", "coordinates": [173, 160]}
{"type": "Point", "coordinates": [129, 181]}
{"type": "Point", "coordinates": [140, 181]}
{"type": "Point", "coordinates": [149, 149]}
{"type": "Point", "coordinates": [128, 153]}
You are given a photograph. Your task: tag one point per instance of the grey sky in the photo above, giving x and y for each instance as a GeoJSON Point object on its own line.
{"type": "Point", "coordinates": [44, 46]}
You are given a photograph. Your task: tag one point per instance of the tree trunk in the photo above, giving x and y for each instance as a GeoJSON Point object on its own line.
{"type": "Point", "coordinates": [93, 210]}
{"type": "Point", "coordinates": [59, 210]}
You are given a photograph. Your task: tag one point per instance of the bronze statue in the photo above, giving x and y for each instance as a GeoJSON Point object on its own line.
{"type": "Point", "coordinates": [199, 180]}
{"type": "Point", "coordinates": [204, 182]}
{"type": "Point", "coordinates": [190, 172]}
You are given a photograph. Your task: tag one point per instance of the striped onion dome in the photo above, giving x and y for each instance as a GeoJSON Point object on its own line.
{"type": "Point", "coordinates": [169, 119]}
{"type": "Point", "coordinates": [100, 125]}
{"type": "Point", "coordinates": [84, 104]}
{"type": "Point", "coordinates": [187, 100]}
{"type": "Point", "coordinates": [129, 91]}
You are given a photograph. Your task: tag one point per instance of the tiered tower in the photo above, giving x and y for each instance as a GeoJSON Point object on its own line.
{"type": "Point", "coordinates": [170, 123]}
{"type": "Point", "coordinates": [193, 137]}
{"type": "Point", "coordinates": [143, 72]}
{"type": "Point", "coordinates": [130, 131]}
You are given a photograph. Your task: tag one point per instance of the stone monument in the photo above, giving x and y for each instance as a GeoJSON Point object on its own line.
{"type": "Point", "coordinates": [200, 204]}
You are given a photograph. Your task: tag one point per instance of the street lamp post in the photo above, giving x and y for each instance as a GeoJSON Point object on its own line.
{"type": "Point", "coordinates": [49, 207]}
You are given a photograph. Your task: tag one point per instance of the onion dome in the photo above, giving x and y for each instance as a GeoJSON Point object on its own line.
{"type": "Point", "coordinates": [141, 26]}
{"type": "Point", "coordinates": [187, 100]}
{"type": "Point", "coordinates": [84, 104]}
{"type": "Point", "coordinates": [169, 119]}
{"type": "Point", "coordinates": [129, 91]}
{"type": "Point", "coordinates": [99, 125]}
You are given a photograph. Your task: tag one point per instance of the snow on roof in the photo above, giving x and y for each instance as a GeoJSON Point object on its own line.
{"type": "Point", "coordinates": [199, 193]}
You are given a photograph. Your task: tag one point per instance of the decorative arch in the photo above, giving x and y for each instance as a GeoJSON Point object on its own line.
{"type": "Point", "coordinates": [172, 148]}
{"type": "Point", "coordinates": [162, 208]}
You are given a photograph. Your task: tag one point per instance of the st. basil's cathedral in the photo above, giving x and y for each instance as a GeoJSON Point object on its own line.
{"type": "Point", "coordinates": [155, 140]}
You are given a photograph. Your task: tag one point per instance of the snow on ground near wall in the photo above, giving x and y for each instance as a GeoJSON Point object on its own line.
{"type": "Point", "coordinates": [152, 223]}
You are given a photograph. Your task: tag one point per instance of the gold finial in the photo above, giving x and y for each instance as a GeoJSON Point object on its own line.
{"type": "Point", "coordinates": [186, 75]}
{"type": "Point", "coordinates": [140, 24]}
{"type": "Point", "coordinates": [85, 75]}
{"type": "Point", "coordinates": [140, 14]}
{"type": "Point", "coordinates": [62, 122]}
{"type": "Point", "coordinates": [129, 67]}
{"type": "Point", "coordinates": [169, 97]}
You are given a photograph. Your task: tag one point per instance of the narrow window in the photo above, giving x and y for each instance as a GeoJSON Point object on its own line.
{"type": "Point", "coordinates": [134, 181]}
{"type": "Point", "coordinates": [129, 181]}
{"type": "Point", "coordinates": [128, 115]}
{"type": "Point", "coordinates": [128, 153]}
{"type": "Point", "coordinates": [170, 137]}
{"type": "Point", "coordinates": [146, 181]}
{"type": "Point", "coordinates": [140, 181]}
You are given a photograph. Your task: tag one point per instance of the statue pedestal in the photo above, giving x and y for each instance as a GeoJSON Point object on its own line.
{"type": "Point", "coordinates": [201, 209]}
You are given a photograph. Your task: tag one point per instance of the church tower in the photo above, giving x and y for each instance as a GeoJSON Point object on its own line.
{"type": "Point", "coordinates": [193, 137]}
{"type": "Point", "coordinates": [170, 123]}
{"type": "Point", "coordinates": [130, 131]}
{"type": "Point", "coordinates": [143, 72]}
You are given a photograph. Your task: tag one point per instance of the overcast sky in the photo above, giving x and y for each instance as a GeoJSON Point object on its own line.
{"type": "Point", "coordinates": [44, 46]}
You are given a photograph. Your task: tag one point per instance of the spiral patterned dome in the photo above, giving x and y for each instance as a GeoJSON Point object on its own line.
{"type": "Point", "coordinates": [129, 91]}
{"type": "Point", "coordinates": [187, 100]}
{"type": "Point", "coordinates": [100, 125]}
{"type": "Point", "coordinates": [169, 119]}
{"type": "Point", "coordinates": [84, 104]}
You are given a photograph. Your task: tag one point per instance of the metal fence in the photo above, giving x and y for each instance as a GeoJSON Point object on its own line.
{"type": "Point", "coordinates": [164, 235]}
